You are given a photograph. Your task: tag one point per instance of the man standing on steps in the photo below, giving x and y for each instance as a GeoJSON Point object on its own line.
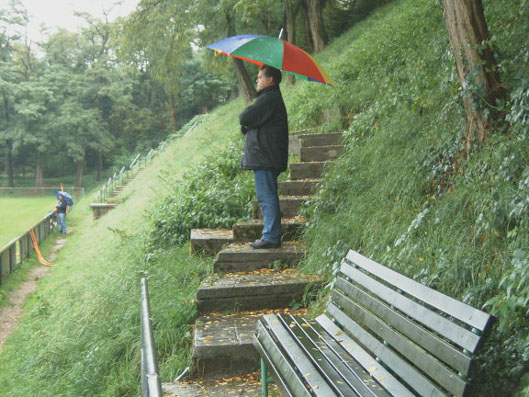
{"type": "Point", "coordinates": [265, 126]}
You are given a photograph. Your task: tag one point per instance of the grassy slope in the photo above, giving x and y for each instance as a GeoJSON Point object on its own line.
{"type": "Point", "coordinates": [80, 334]}
{"type": "Point", "coordinates": [394, 196]}
{"type": "Point", "coordinates": [397, 93]}
{"type": "Point", "coordinates": [18, 214]}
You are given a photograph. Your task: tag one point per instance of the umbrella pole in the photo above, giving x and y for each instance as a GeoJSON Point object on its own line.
{"type": "Point", "coordinates": [280, 33]}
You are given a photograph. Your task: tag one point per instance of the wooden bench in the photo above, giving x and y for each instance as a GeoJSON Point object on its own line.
{"type": "Point", "coordinates": [382, 334]}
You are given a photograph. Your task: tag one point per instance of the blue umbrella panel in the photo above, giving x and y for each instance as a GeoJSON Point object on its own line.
{"type": "Point", "coordinates": [67, 196]}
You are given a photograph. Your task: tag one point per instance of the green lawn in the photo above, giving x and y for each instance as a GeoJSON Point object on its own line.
{"type": "Point", "coordinates": [17, 214]}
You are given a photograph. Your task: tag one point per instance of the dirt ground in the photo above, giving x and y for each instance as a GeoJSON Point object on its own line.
{"type": "Point", "coordinates": [11, 314]}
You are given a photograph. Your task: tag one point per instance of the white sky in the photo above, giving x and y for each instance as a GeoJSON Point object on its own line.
{"type": "Point", "coordinates": [60, 13]}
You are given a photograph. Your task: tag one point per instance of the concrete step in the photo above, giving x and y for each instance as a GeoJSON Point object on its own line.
{"type": "Point", "coordinates": [251, 230]}
{"type": "Point", "coordinates": [320, 153]}
{"type": "Point", "coordinates": [223, 344]}
{"type": "Point", "coordinates": [328, 139]}
{"type": "Point", "coordinates": [289, 206]}
{"type": "Point", "coordinates": [239, 257]}
{"type": "Point", "coordinates": [247, 385]}
{"type": "Point", "coordinates": [100, 209]}
{"type": "Point", "coordinates": [116, 192]}
{"type": "Point", "coordinates": [262, 289]}
{"type": "Point", "coordinates": [210, 241]}
{"type": "Point", "coordinates": [303, 187]}
{"type": "Point", "coordinates": [312, 170]}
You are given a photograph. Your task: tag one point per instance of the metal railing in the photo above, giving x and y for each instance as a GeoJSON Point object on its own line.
{"type": "Point", "coordinates": [139, 161]}
{"type": "Point", "coordinates": [20, 248]}
{"type": "Point", "coordinates": [151, 385]}
{"type": "Point", "coordinates": [119, 178]}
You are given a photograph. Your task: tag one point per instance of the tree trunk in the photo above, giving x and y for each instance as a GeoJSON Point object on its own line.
{"type": "Point", "coordinates": [9, 164]}
{"type": "Point", "coordinates": [315, 20]}
{"type": "Point", "coordinates": [308, 33]}
{"type": "Point", "coordinates": [38, 170]}
{"type": "Point", "coordinates": [79, 173]}
{"type": "Point", "coordinates": [246, 85]}
{"type": "Point", "coordinates": [99, 165]}
{"type": "Point", "coordinates": [476, 66]}
{"type": "Point", "coordinates": [172, 113]}
{"type": "Point", "coordinates": [9, 149]}
{"type": "Point", "coordinates": [290, 16]}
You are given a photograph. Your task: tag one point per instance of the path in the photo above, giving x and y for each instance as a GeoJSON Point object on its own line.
{"type": "Point", "coordinates": [11, 314]}
{"type": "Point", "coordinates": [247, 283]}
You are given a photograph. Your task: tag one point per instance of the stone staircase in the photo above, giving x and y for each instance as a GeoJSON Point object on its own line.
{"type": "Point", "coordinates": [247, 282]}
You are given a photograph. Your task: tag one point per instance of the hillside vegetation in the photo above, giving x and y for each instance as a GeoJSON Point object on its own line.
{"type": "Point", "coordinates": [403, 193]}
{"type": "Point", "coordinates": [80, 335]}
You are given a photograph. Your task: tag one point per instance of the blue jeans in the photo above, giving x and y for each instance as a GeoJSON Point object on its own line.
{"type": "Point", "coordinates": [266, 190]}
{"type": "Point", "coordinates": [61, 217]}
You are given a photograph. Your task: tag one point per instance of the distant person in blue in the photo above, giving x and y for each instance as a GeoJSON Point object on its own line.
{"type": "Point", "coordinates": [265, 128]}
{"type": "Point", "coordinates": [62, 209]}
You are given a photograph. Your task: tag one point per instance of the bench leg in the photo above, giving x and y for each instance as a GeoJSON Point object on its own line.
{"type": "Point", "coordinates": [264, 379]}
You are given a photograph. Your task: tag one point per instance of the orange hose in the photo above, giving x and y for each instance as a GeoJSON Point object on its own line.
{"type": "Point", "coordinates": [37, 250]}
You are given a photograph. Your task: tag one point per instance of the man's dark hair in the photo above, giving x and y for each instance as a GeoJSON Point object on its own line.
{"type": "Point", "coordinates": [270, 71]}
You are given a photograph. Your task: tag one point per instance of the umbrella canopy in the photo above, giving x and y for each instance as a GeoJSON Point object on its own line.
{"type": "Point", "coordinates": [67, 196]}
{"type": "Point", "coordinates": [278, 53]}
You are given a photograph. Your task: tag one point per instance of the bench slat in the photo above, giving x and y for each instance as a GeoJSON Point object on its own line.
{"type": "Point", "coordinates": [420, 313]}
{"type": "Point", "coordinates": [270, 364]}
{"type": "Point", "coordinates": [370, 365]}
{"type": "Point", "coordinates": [406, 347]}
{"type": "Point", "coordinates": [463, 312]}
{"type": "Point", "coordinates": [283, 371]}
{"type": "Point", "coordinates": [346, 381]}
{"type": "Point", "coordinates": [436, 346]}
{"type": "Point", "coordinates": [289, 347]}
{"type": "Point", "coordinates": [404, 370]}
{"type": "Point", "coordinates": [349, 361]}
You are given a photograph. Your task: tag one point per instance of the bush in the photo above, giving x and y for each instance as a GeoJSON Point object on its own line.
{"type": "Point", "coordinates": [216, 193]}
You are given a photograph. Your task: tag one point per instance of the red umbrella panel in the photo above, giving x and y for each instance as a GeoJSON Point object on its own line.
{"type": "Point", "coordinates": [278, 53]}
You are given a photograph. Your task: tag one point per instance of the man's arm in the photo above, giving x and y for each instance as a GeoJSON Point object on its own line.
{"type": "Point", "coordinates": [257, 114]}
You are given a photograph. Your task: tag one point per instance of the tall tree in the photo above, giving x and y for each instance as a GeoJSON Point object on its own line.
{"type": "Point", "coordinates": [314, 12]}
{"type": "Point", "coordinates": [157, 37]}
{"type": "Point", "coordinates": [476, 66]}
{"type": "Point", "coordinates": [11, 20]}
{"type": "Point", "coordinates": [291, 9]}
{"type": "Point", "coordinates": [246, 85]}
{"type": "Point", "coordinates": [30, 107]}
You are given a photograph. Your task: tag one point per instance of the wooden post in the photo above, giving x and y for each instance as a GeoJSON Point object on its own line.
{"type": "Point", "coordinates": [12, 256]}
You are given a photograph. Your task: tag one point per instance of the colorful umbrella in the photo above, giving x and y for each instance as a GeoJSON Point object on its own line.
{"type": "Point", "coordinates": [278, 53]}
{"type": "Point", "coordinates": [67, 196]}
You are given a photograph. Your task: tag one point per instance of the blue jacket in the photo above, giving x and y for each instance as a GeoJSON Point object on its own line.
{"type": "Point", "coordinates": [265, 126]}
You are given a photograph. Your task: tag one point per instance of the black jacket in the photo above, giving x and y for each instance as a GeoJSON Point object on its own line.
{"type": "Point", "coordinates": [265, 126]}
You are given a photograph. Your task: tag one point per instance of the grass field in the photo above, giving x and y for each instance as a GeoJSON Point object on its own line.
{"type": "Point", "coordinates": [20, 213]}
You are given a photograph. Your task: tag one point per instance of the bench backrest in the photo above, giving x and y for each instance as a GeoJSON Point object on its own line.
{"type": "Point", "coordinates": [415, 337]}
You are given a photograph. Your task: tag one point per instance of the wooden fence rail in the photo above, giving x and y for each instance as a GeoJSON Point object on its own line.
{"type": "Point", "coordinates": [20, 248]}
